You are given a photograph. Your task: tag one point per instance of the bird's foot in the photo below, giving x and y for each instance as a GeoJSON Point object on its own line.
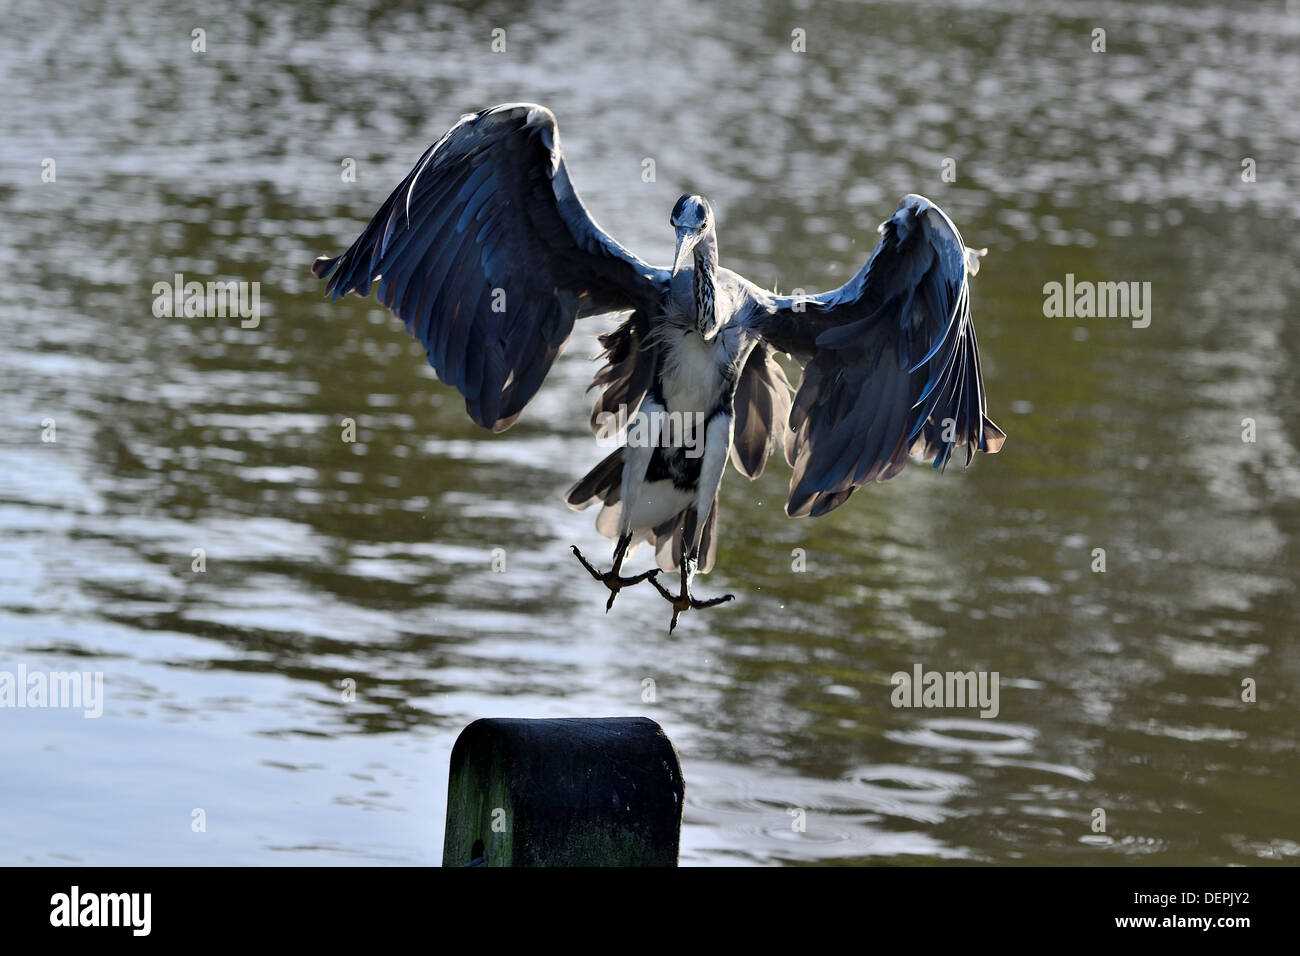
{"type": "Point", "coordinates": [685, 601]}
{"type": "Point", "coordinates": [612, 579]}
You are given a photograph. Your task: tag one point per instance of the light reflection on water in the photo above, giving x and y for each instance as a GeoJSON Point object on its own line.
{"type": "Point", "coordinates": [371, 560]}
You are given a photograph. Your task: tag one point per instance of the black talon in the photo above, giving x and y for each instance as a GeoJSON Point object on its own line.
{"type": "Point", "coordinates": [686, 601]}
{"type": "Point", "coordinates": [611, 578]}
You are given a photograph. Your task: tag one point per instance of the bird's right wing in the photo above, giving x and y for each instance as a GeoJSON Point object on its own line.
{"type": "Point", "coordinates": [891, 364]}
{"type": "Point", "coordinates": [488, 255]}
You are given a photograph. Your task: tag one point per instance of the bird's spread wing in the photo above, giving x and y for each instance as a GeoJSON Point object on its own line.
{"type": "Point", "coordinates": [488, 255]}
{"type": "Point", "coordinates": [891, 364]}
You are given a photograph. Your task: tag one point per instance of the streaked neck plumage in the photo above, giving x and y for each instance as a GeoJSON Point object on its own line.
{"type": "Point", "coordinates": [705, 285]}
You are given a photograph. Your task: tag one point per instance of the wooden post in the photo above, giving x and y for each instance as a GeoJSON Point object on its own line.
{"type": "Point", "coordinates": [603, 791]}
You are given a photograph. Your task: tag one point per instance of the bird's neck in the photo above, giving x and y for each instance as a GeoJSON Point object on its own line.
{"type": "Point", "coordinates": [705, 282]}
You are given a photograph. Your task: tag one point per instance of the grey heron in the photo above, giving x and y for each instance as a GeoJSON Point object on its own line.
{"type": "Point", "coordinates": [488, 255]}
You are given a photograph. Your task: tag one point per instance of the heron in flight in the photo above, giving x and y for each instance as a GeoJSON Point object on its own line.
{"type": "Point", "coordinates": [488, 255]}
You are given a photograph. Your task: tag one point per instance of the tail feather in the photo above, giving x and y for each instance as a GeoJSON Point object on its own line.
{"type": "Point", "coordinates": [667, 540]}
{"type": "Point", "coordinates": [604, 483]}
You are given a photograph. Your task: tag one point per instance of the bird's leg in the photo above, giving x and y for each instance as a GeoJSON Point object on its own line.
{"type": "Point", "coordinates": [636, 459]}
{"type": "Point", "coordinates": [684, 601]}
{"type": "Point", "coordinates": [716, 447]}
{"type": "Point", "coordinates": [611, 579]}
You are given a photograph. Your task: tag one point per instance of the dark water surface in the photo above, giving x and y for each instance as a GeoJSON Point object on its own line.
{"type": "Point", "coordinates": [372, 560]}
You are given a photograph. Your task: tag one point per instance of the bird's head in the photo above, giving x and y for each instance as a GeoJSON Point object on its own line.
{"type": "Point", "coordinates": [693, 219]}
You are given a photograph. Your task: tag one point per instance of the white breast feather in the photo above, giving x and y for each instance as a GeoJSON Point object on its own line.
{"type": "Point", "coordinates": [691, 374]}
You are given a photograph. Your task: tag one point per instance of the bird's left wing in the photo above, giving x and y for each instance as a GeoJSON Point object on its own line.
{"type": "Point", "coordinates": [488, 255]}
{"type": "Point", "coordinates": [891, 364]}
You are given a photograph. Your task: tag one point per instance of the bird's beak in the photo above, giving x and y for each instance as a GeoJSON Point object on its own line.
{"type": "Point", "coordinates": [686, 239]}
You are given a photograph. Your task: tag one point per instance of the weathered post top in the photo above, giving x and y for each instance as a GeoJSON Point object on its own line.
{"type": "Point", "coordinates": [600, 791]}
